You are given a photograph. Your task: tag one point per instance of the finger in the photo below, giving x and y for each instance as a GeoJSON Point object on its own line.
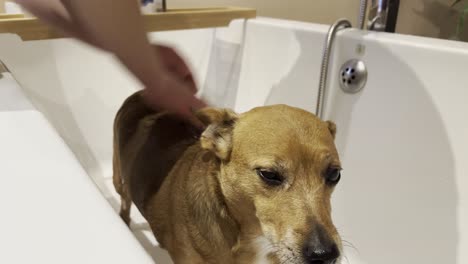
{"type": "Point", "coordinates": [175, 64]}
{"type": "Point", "coordinates": [194, 121]}
{"type": "Point", "coordinates": [173, 60]}
{"type": "Point", "coordinates": [190, 82]}
{"type": "Point", "coordinates": [188, 112]}
{"type": "Point", "coordinates": [172, 94]}
{"type": "Point", "coordinates": [197, 104]}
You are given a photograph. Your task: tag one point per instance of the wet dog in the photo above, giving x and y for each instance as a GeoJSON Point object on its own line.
{"type": "Point", "coordinates": [250, 188]}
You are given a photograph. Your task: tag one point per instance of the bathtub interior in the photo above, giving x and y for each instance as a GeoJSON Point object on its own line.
{"type": "Point", "coordinates": [37, 167]}
{"type": "Point", "coordinates": [79, 90]}
{"type": "Point", "coordinates": [401, 139]}
{"type": "Point", "coordinates": [403, 144]}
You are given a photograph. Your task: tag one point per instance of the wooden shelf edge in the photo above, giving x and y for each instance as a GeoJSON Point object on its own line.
{"type": "Point", "coordinates": [10, 16]}
{"type": "Point", "coordinates": [172, 19]}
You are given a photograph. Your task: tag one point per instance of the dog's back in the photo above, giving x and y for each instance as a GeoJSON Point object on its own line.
{"type": "Point", "coordinates": [147, 144]}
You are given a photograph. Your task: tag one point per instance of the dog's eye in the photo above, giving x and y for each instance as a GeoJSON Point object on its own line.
{"type": "Point", "coordinates": [333, 175]}
{"type": "Point", "coordinates": [270, 177]}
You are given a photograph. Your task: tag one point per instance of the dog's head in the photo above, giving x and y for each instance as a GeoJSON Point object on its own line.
{"type": "Point", "coordinates": [279, 166]}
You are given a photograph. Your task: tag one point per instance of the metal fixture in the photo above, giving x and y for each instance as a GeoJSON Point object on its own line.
{"type": "Point", "coordinates": [3, 69]}
{"type": "Point", "coordinates": [382, 15]}
{"type": "Point", "coordinates": [342, 23]}
{"type": "Point", "coordinates": [362, 14]}
{"type": "Point", "coordinates": [155, 5]}
{"type": "Point", "coordinates": [353, 76]}
{"type": "Point", "coordinates": [378, 15]}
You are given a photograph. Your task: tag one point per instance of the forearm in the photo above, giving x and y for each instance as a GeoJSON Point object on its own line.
{"type": "Point", "coordinates": [117, 26]}
{"type": "Point", "coordinates": [113, 25]}
{"type": "Point", "coordinates": [54, 13]}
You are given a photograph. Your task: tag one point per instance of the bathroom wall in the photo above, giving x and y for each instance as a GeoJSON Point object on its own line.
{"type": "Point", "coordinates": [319, 11]}
{"type": "Point", "coordinates": [431, 18]}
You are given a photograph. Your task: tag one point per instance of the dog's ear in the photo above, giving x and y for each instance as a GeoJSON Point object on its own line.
{"type": "Point", "coordinates": [217, 137]}
{"type": "Point", "coordinates": [331, 128]}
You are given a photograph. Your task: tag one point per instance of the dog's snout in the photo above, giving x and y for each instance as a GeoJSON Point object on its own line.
{"type": "Point", "coordinates": [320, 248]}
{"type": "Point", "coordinates": [322, 255]}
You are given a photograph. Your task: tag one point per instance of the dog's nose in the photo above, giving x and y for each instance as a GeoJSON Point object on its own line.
{"type": "Point", "coordinates": [320, 248]}
{"type": "Point", "coordinates": [322, 255]}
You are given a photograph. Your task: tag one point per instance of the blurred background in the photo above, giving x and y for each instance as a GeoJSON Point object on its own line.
{"type": "Point", "coordinates": [430, 18]}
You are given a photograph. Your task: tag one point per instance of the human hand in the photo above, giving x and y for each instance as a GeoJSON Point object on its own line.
{"type": "Point", "coordinates": [168, 81]}
{"type": "Point", "coordinates": [174, 87]}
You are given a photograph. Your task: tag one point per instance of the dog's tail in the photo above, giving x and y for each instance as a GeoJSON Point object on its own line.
{"type": "Point", "coordinates": [125, 125]}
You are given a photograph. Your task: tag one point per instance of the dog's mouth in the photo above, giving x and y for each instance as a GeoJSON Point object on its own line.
{"type": "Point", "coordinates": [278, 253]}
{"type": "Point", "coordinates": [286, 254]}
{"type": "Point", "coordinates": [289, 256]}
{"type": "Point", "coordinates": [317, 249]}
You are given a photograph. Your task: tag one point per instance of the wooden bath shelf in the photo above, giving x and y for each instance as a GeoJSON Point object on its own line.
{"type": "Point", "coordinates": [172, 19]}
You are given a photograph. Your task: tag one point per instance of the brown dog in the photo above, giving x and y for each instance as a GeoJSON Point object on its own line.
{"type": "Point", "coordinates": [254, 188]}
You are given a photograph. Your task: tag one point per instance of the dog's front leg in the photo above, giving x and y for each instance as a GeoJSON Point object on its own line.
{"type": "Point", "coordinates": [125, 204]}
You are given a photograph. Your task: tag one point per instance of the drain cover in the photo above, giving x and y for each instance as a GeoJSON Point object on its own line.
{"type": "Point", "coordinates": [353, 76]}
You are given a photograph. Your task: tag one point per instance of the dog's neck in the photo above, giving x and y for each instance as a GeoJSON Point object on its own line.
{"type": "Point", "coordinates": [208, 214]}
{"type": "Point", "coordinates": [218, 232]}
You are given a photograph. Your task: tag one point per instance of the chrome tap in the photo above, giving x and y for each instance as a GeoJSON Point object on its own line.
{"type": "Point", "coordinates": [382, 15]}
{"type": "Point", "coordinates": [378, 15]}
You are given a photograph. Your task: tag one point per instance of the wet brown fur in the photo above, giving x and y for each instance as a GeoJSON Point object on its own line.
{"type": "Point", "coordinates": [201, 194]}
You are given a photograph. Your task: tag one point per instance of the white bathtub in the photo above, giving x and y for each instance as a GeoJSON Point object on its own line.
{"type": "Point", "coordinates": [403, 139]}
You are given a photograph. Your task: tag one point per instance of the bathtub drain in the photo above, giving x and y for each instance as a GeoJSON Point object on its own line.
{"type": "Point", "coordinates": [353, 76]}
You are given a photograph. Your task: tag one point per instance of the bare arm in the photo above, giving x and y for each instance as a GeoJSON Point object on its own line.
{"type": "Point", "coordinates": [117, 26]}
{"type": "Point", "coordinates": [54, 13]}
